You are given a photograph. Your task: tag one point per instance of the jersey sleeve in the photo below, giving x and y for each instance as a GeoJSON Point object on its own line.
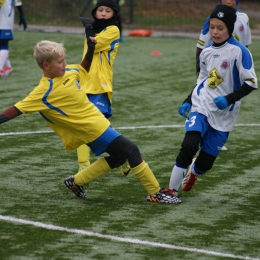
{"type": "Point", "coordinates": [245, 66]}
{"type": "Point", "coordinates": [79, 73]}
{"type": "Point", "coordinates": [33, 102]}
{"type": "Point", "coordinates": [105, 40]}
{"type": "Point", "coordinates": [204, 38]}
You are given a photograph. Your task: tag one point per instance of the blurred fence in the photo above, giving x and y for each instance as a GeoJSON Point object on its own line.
{"type": "Point", "coordinates": [164, 16]}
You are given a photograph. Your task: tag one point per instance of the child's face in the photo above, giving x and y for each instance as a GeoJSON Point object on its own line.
{"type": "Point", "coordinates": [218, 30]}
{"type": "Point", "coordinates": [55, 68]}
{"type": "Point", "coordinates": [104, 12]}
{"type": "Point", "coordinates": [231, 3]}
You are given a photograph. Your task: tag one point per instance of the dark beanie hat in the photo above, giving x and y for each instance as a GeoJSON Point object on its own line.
{"type": "Point", "coordinates": [226, 14]}
{"type": "Point", "coordinates": [237, 1]}
{"type": "Point", "coordinates": [109, 3]}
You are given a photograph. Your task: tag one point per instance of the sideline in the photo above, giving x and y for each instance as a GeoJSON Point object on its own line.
{"type": "Point", "coordinates": [118, 128]}
{"type": "Point", "coordinates": [123, 239]}
{"type": "Point", "coordinates": [80, 30]}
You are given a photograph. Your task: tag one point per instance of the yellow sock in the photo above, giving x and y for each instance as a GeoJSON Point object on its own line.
{"type": "Point", "coordinates": [146, 177]}
{"type": "Point", "coordinates": [95, 170]}
{"type": "Point", "coordinates": [83, 155]}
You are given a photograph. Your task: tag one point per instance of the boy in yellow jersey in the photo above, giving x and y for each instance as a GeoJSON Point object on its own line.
{"type": "Point", "coordinates": [99, 86]}
{"type": "Point", "coordinates": [66, 109]}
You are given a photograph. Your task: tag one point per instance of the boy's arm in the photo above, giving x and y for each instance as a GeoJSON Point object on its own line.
{"type": "Point", "coordinates": [91, 41]}
{"type": "Point", "coordinates": [223, 102]}
{"type": "Point", "coordinates": [198, 51]}
{"type": "Point", "coordinates": [241, 92]}
{"type": "Point", "coordinates": [107, 39]}
{"type": "Point", "coordinates": [9, 113]}
{"type": "Point", "coordinates": [184, 109]}
{"type": "Point", "coordinates": [204, 39]}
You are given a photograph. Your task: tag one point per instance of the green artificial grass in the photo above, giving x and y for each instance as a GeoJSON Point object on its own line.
{"type": "Point", "coordinates": [218, 218]}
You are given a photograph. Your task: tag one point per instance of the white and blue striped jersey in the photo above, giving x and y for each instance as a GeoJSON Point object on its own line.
{"type": "Point", "coordinates": [7, 13]}
{"type": "Point", "coordinates": [224, 69]}
{"type": "Point", "coordinates": [241, 33]}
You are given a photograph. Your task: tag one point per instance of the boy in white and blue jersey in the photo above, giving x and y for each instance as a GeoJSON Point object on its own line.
{"type": "Point", "coordinates": [7, 12]}
{"type": "Point", "coordinates": [241, 33]}
{"type": "Point", "coordinates": [227, 75]}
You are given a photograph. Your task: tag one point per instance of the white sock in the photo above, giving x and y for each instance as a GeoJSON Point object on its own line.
{"type": "Point", "coordinates": [177, 176]}
{"type": "Point", "coordinates": [7, 64]}
{"type": "Point", "coordinates": [3, 58]}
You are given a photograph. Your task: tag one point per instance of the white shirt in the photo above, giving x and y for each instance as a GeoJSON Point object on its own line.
{"type": "Point", "coordinates": [241, 33]}
{"type": "Point", "coordinates": [224, 69]}
{"type": "Point", "coordinates": [7, 13]}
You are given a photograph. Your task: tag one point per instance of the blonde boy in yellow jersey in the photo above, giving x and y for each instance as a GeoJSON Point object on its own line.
{"type": "Point", "coordinates": [64, 105]}
{"type": "Point", "coordinates": [99, 86]}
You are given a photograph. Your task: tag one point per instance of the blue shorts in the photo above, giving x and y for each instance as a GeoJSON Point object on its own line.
{"type": "Point", "coordinates": [101, 101]}
{"type": "Point", "coordinates": [212, 139]}
{"type": "Point", "coordinates": [6, 35]}
{"type": "Point", "coordinates": [100, 145]}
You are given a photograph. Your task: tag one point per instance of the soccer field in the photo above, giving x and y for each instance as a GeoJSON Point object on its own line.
{"type": "Point", "coordinates": [41, 219]}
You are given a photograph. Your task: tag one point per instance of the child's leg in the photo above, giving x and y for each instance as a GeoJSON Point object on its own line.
{"type": "Point", "coordinates": [146, 177]}
{"type": "Point", "coordinates": [122, 148]}
{"type": "Point", "coordinates": [83, 155]}
{"type": "Point", "coordinates": [101, 101]}
{"type": "Point", "coordinates": [7, 64]}
{"type": "Point", "coordinates": [94, 171]}
{"type": "Point", "coordinates": [189, 148]}
{"type": "Point", "coordinates": [3, 57]}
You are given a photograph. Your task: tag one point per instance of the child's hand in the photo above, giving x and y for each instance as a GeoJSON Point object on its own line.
{"type": "Point", "coordinates": [184, 109]}
{"type": "Point", "coordinates": [22, 21]}
{"type": "Point", "coordinates": [221, 102]}
{"type": "Point", "coordinates": [93, 39]}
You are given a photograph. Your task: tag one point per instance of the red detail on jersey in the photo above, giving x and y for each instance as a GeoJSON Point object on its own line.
{"type": "Point", "coordinates": [225, 64]}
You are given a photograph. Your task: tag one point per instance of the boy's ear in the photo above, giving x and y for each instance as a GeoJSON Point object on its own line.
{"type": "Point", "coordinates": [45, 65]}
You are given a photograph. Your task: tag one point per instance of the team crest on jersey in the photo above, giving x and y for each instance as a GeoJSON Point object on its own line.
{"type": "Point", "coordinates": [225, 64]}
{"type": "Point", "coordinates": [214, 79]}
{"type": "Point", "coordinates": [241, 28]}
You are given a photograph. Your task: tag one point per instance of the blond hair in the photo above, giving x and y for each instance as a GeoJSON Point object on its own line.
{"type": "Point", "coordinates": [46, 51]}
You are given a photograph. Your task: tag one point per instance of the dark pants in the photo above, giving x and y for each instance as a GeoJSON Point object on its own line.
{"type": "Point", "coordinates": [122, 149]}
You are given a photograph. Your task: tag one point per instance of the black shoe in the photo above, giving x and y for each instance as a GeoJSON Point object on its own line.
{"type": "Point", "coordinates": [164, 196]}
{"type": "Point", "coordinates": [77, 190]}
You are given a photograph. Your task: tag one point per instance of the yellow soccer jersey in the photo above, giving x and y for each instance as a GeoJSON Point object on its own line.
{"type": "Point", "coordinates": [101, 71]}
{"type": "Point", "coordinates": [64, 105]}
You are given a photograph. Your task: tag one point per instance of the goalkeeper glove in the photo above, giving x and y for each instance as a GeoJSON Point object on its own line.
{"type": "Point", "coordinates": [184, 109]}
{"type": "Point", "coordinates": [89, 29]}
{"type": "Point", "coordinates": [221, 102]}
{"type": "Point", "coordinates": [22, 21]}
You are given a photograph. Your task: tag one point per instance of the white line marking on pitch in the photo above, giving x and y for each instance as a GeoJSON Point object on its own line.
{"type": "Point", "coordinates": [123, 239]}
{"type": "Point", "coordinates": [119, 128]}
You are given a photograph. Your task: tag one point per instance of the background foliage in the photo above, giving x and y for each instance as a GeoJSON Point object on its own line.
{"type": "Point", "coordinates": [163, 15]}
